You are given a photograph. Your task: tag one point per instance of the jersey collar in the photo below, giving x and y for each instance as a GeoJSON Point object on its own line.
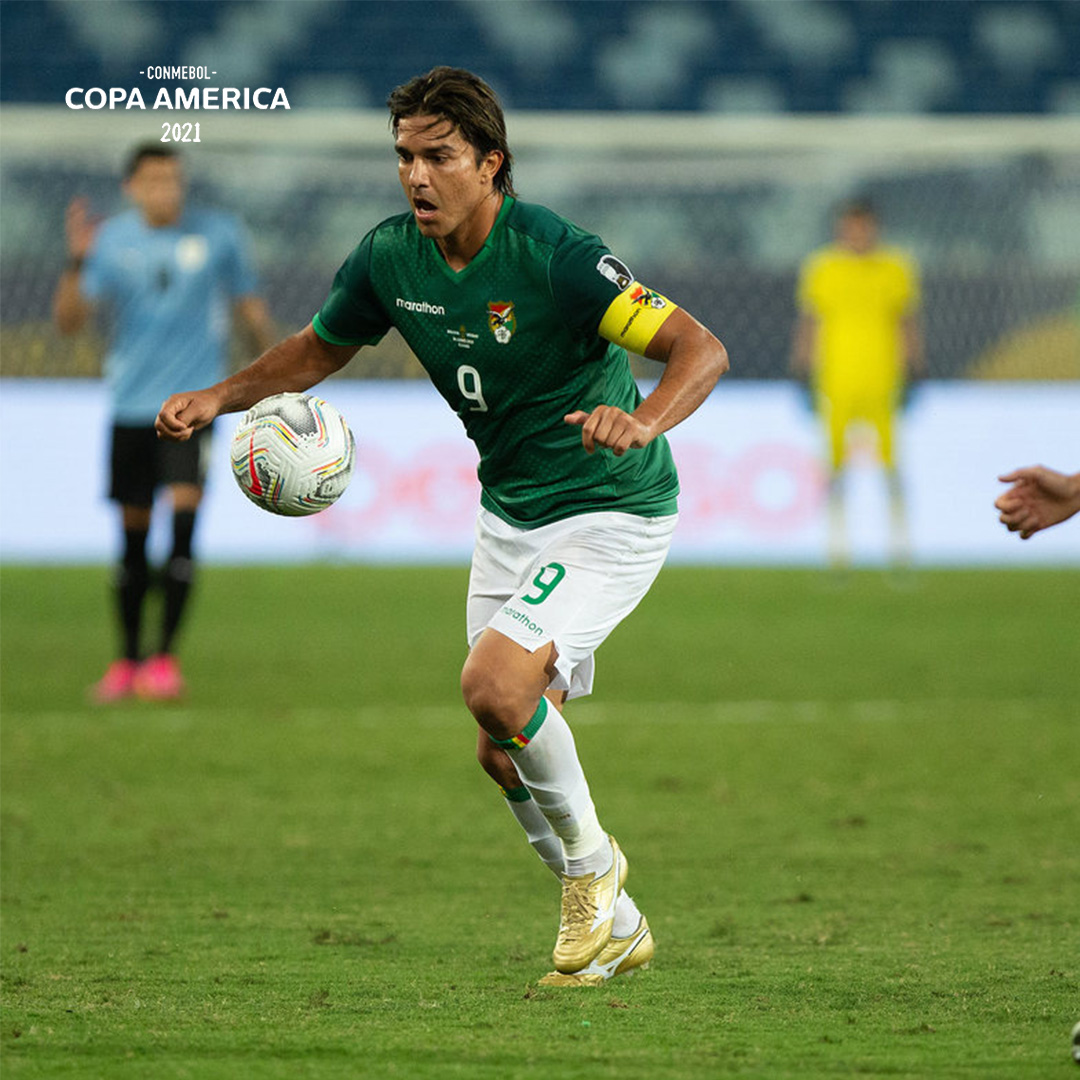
{"type": "Point", "coordinates": [481, 256]}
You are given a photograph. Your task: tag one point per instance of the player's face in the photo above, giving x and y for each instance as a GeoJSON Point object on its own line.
{"type": "Point", "coordinates": [157, 189]}
{"type": "Point", "coordinates": [450, 192]}
{"type": "Point", "coordinates": [858, 232]}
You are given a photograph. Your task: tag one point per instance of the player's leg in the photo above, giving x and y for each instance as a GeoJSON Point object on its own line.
{"type": "Point", "coordinates": [182, 468]}
{"type": "Point", "coordinates": [631, 945]}
{"type": "Point", "coordinates": [884, 421]}
{"type": "Point", "coordinates": [131, 486]}
{"type": "Point", "coordinates": [497, 764]}
{"type": "Point", "coordinates": [836, 418]}
{"type": "Point", "coordinates": [580, 581]}
{"type": "Point", "coordinates": [179, 570]}
{"type": "Point", "coordinates": [503, 684]}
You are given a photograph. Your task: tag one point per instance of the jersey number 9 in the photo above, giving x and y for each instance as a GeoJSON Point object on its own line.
{"type": "Point", "coordinates": [468, 380]}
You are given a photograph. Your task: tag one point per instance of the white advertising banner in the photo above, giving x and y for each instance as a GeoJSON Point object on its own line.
{"type": "Point", "coordinates": [753, 484]}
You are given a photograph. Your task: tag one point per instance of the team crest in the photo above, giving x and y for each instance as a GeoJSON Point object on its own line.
{"type": "Point", "coordinates": [502, 321]}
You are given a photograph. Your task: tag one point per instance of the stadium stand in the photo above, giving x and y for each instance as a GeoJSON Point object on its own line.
{"type": "Point", "coordinates": [799, 56]}
{"type": "Point", "coordinates": [721, 230]}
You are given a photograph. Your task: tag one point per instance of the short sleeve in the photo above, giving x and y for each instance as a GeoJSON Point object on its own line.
{"type": "Point", "coordinates": [352, 314]}
{"type": "Point", "coordinates": [601, 296]}
{"type": "Point", "coordinates": [585, 280]}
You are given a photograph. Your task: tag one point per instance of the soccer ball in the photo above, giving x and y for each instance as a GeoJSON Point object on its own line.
{"type": "Point", "coordinates": [1076, 1043]}
{"type": "Point", "coordinates": [293, 454]}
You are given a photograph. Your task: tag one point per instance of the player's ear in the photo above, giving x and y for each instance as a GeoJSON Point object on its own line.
{"type": "Point", "coordinates": [490, 164]}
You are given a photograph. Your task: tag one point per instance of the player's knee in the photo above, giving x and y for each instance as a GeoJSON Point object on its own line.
{"type": "Point", "coordinates": [482, 690]}
{"type": "Point", "coordinates": [493, 698]}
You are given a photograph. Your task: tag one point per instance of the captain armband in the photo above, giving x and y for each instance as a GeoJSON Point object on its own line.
{"type": "Point", "coordinates": [634, 317]}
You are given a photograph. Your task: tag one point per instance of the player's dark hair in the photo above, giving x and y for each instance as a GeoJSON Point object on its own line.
{"type": "Point", "coordinates": [468, 103]}
{"type": "Point", "coordinates": [144, 151]}
{"type": "Point", "coordinates": [859, 206]}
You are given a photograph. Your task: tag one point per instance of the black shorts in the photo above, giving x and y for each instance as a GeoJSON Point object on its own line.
{"type": "Point", "coordinates": [140, 463]}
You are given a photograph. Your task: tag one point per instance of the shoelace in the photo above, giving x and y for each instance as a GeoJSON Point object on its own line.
{"type": "Point", "coordinates": [578, 907]}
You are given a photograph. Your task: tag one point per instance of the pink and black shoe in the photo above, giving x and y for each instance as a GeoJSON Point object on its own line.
{"type": "Point", "coordinates": [117, 684]}
{"type": "Point", "coordinates": [159, 679]}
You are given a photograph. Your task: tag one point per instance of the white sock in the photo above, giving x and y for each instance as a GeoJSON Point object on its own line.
{"type": "Point", "coordinates": [838, 546]}
{"type": "Point", "coordinates": [598, 862]}
{"type": "Point", "coordinates": [627, 916]}
{"type": "Point", "coordinates": [547, 763]}
{"type": "Point", "coordinates": [898, 526]}
{"type": "Point", "coordinates": [530, 817]}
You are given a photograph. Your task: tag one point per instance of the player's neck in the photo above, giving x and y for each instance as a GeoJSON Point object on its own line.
{"type": "Point", "coordinates": [162, 221]}
{"type": "Point", "coordinates": [460, 247]}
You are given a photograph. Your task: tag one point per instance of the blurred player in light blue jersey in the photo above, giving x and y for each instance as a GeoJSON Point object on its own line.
{"type": "Point", "coordinates": [170, 279]}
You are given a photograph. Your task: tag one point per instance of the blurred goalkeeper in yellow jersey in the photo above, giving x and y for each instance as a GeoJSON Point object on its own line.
{"type": "Point", "coordinates": [858, 340]}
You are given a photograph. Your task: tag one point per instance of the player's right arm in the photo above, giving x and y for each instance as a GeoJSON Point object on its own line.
{"type": "Point", "coordinates": [807, 323]}
{"type": "Point", "coordinates": [71, 309]}
{"type": "Point", "coordinates": [803, 345]}
{"type": "Point", "coordinates": [295, 364]}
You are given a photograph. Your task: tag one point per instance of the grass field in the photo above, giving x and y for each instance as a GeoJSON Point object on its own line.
{"type": "Point", "coordinates": [852, 816]}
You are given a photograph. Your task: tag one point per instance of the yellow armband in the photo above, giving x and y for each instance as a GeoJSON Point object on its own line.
{"type": "Point", "coordinates": [634, 317]}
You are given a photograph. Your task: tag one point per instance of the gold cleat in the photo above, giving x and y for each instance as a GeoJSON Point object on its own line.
{"type": "Point", "coordinates": [588, 912]}
{"type": "Point", "coordinates": [620, 956]}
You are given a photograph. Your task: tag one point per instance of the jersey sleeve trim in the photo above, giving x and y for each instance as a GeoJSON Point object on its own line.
{"type": "Point", "coordinates": [320, 328]}
{"type": "Point", "coordinates": [634, 316]}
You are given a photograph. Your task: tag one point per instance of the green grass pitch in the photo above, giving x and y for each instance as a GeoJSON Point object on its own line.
{"type": "Point", "coordinates": [852, 815]}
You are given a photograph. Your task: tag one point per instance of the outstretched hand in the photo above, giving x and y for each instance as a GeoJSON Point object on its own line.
{"type": "Point", "coordinates": [1039, 497]}
{"type": "Point", "coordinates": [611, 427]}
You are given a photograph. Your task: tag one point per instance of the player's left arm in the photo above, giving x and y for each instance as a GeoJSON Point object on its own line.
{"type": "Point", "coordinates": [693, 358]}
{"type": "Point", "coordinates": [911, 331]}
{"type": "Point", "coordinates": [911, 324]}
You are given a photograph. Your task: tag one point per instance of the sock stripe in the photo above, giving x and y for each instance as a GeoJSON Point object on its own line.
{"type": "Point", "coordinates": [515, 794]}
{"type": "Point", "coordinates": [528, 733]}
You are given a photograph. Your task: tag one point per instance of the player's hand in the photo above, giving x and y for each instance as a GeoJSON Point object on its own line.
{"type": "Point", "coordinates": [807, 394]}
{"type": "Point", "coordinates": [1039, 497]}
{"type": "Point", "coordinates": [611, 427]}
{"type": "Point", "coordinates": [184, 414]}
{"type": "Point", "coordinates": [79, 228]}
{"type": "Point", "coordinates": [910, 388]}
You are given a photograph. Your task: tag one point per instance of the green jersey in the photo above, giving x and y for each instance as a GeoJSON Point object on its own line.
{"type": "Point", "coordinates": [512, 342]}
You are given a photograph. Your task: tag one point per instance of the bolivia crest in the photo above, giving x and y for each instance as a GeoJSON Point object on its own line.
{"type": "Point", "coordinates": [501, 321]}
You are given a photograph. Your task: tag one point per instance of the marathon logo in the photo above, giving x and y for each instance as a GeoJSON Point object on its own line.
{"type": "Point", "coordinates": [421, 307]}
{"type": "Point", "coordinates": [521, 617]}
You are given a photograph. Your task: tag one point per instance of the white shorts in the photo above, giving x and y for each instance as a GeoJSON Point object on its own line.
{"type": "Point", "coordinates": [571, 582]}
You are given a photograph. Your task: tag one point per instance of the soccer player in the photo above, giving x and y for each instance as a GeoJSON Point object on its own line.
{"type": "Point", "coordinates": [858, 341]}
{"type": "Point", "coordinates": [168, 277]}
{"type": "Point", "coordinates": [522, 320]}
{"type": "Point", "coordinates": [1039, 497]}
